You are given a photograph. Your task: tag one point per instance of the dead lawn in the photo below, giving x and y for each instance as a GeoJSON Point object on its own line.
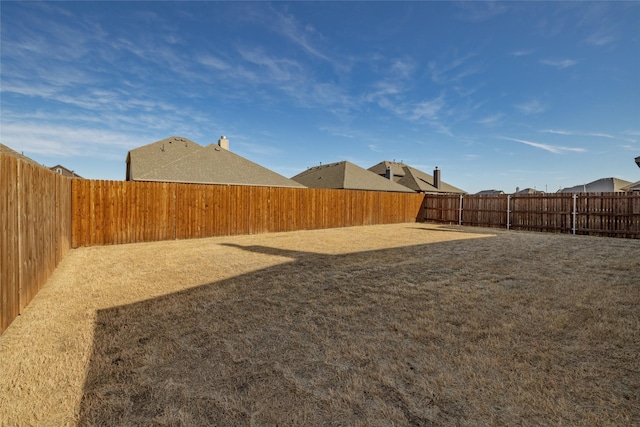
{"type": "Point", "coordinates": [409, 324]}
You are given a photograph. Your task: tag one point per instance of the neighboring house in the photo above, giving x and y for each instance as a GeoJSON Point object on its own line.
{"type": "Point", "coordinates": [346, 175]}
{"type": "Point", "coordinates": [178, 159]}
{"type": "Point", "coordinates": [602, 185]}
{"type": "Point", "coordinates": [6, 150]}
{"type": "Point", "coordinates": [413, 178]}
{"type": "Point", "coordinates": [635, 187]}
{"type": "Point", "coordinates": [490, 193]}
{"type": "Point", "coordinates": [61, 170]}
{"type": "Point", "coordinates": [529, 191]}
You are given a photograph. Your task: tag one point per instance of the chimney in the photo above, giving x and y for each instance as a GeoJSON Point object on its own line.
{"type": "Point", "coordinates": [436, 178]}
{"type": "Point", "coordinates": [223, 142]}
{"type": "Point", "coordinates": [389, 173]}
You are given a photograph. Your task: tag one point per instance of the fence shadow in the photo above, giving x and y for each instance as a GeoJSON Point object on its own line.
{"type": "Point", "coordinates": [282, 345]}
{"type": "Point", "coordinates": [403, 335]}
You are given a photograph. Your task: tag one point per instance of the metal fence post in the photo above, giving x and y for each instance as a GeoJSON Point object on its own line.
{"type": "Point", "coordinates": [575, 198]}
{"type": "Point", "coordinates": [508, 210]}
{"type": "Point", "coordinates": [460, 211]}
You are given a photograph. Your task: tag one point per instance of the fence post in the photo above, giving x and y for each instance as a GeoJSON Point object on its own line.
{"type": "Point", "coordinates": [460, 211]}
{"type": "Point", "coordinates": [508, 210]}
{"type": "Point", "coordinates": [575, 198]}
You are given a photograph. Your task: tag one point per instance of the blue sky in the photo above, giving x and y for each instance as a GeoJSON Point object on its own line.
{"type": "Point", "coordinates": [497, 95]}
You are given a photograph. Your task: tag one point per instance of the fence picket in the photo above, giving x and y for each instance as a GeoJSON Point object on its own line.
{"type": "Point", "coordinates": [597, 214]}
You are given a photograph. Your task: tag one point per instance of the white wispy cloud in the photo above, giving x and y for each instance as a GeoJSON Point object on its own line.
{"type": "Point", "coordinates": [559, 63]}
{"type": "Point", "coordinates": [213, 62]}
{"type": "Point", "coordinates": [601, 38]}
{"type": "Point", "coordinates": [62, 140]}
{"type": "Point", "coordinates": [453, 70]}
{"type": "Point", "coordinates": [532, 107]}
{"type": "Point", "coordinates": [278, 69]}
{"type": "Point", "coordinates": [402, 68]}
{"type": "Point", "coordinates": [428, 110]}
{"type": "Point", "coordinates": [491, 120]}
{"type": "Point", "coordinates": [480, 11]}
{"type": "Point", "coordinates": [556, 149]}
{"type": "Point", "coordinates": [522, 52]}
{"type": "Point", "coordinates": [578, 133]}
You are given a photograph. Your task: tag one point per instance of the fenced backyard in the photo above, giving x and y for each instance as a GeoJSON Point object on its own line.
{"type": "Point", "coordinates": [43, 215]}
{"type": "Point", "coordinates": [406, 323]}
{"type": "Point", "coordinates": [401, 324]}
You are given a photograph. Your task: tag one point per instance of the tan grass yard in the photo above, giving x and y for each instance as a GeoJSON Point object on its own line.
{"type": "Point", "coordinates": [408, 324]}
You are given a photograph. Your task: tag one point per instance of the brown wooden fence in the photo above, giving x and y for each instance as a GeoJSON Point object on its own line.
{"type": "Point", "coordinates": [599, 214]}
{"type": "Point", "coordinates": [43, 214]}
{"type": "Point", "coordinates": [35, 231]}
{"type": "Point", "coordinates": [113, 212]}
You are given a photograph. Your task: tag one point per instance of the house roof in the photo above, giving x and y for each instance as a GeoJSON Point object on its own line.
{"type": "Point", "coordinates": [396, 167]}
{"type": "Point", "coordinates": [178, 159]}
{"type": "Point", "coordinates": [632, 187]}
{"type": "Point", "coordinates": [413, 178]}
{"type": "Point", "coordinates": [64, 171]}
{"type": "Point", "coordinates": [346, 175]}
{"type": "Point", "coordinates": [489, 192]}
{"type": "Point", "coordinates": [7, 150]}
{"type": "Point", "coordinates": [602, 185]}
{"type": "Point", "coordinates": [529, 191]}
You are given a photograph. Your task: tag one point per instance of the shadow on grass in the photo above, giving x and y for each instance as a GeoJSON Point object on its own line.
{"type": "Point", "coordinates": [456, 229]}
{"type": "Point", "coordinates": [437, 334]}
{"type": "Point", "coordinates": [320, 339]}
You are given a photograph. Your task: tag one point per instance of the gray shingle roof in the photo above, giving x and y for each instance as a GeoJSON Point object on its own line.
{"type": "Point", "coordinates": [177, 159]}
{"type": "Point", "coordinates": [529, 191]}
{"type": "Point", "coordinates": [413, 178]}
{"type": "Point", "coordinates": [632, 187]}
{"type": "Point", "coordinates": [602, 185]}
{"type": "Point", "coordinates": [396, 167]}
{"type": "Point", "coordinates": [489, 193]}
{"type": "Point", "coordinates": [11, 152]}
{"type": "Point", "coordinates": [346, 175]}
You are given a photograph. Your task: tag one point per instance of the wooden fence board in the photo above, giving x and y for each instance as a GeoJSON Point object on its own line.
{"type": "Point", "coordinates": [36, 229]}
{"type": "Point", "coordinates": [600, 214]}
{"type": "Point", "coordinates": [9, 261]}
{"type": "Point", "coordinates": [108, 212]}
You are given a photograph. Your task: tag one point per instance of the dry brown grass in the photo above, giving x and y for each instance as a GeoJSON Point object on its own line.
{"type": "Point", "coordinates": [409, 324]}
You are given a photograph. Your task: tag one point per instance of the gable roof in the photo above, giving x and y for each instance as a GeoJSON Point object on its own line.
{"type": "Point", "coordinates": [178, 159]}
{"type": "Point", "coordinates": [529, 191]}
{"type": "Point", "coordinates": [413, 178]}
{"type": "Point", "coordinates": [346, 175]}
{"type": "Point", "coordinates": [59, 169]}
{"type": "Point", "coordinates": [9, 151]}
{"type": "Point", "coordinates": [489, 193]}
{"type": "Point", "coordinates": [602, 185]}
{"type": "Point", "coordinates": [632, 187]}
{"type": "Point", "coordinates": [397, 168]}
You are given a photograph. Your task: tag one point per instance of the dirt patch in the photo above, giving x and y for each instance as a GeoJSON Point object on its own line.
{"type": "Point", "coordinates": [408, 324]}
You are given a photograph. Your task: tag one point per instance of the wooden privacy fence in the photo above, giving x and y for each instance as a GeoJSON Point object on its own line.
{"type": "Point", "coordinates": [600, 214]}
{"type": "Point", "coordinates": [113, 212]}
{"type": "Point", "coordinates": [35, 231]}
